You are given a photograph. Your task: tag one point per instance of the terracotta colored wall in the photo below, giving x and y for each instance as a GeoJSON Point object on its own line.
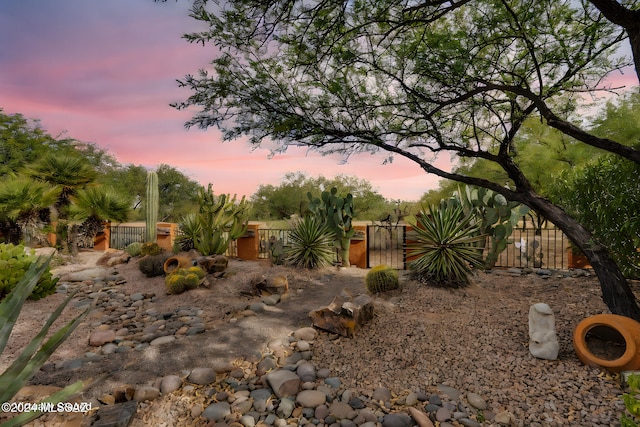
{"type": "Point", "coordinates": [102, 241]}
{"type": "Point", "coordinates": [358, 250]}
{"type": "Point", "coordinates": [166, 234]}
{"type": "Point", "coordinates": [247, 247]}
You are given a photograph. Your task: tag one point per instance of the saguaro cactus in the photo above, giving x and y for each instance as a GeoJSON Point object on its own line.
{"type": "Point", "coordinates": [151, 232]}
{"type": "Point", "coordinates": [337, 213]}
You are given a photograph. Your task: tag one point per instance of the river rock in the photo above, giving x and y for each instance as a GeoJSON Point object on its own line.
{"type": "Point", "coordinates": [99, 338]}
{"type": "Point", "coordinates": [305, 334]}
{"type": "Point", "coordinates": [146, 393]}
{"type": "Point", "coordinates": [420, 417]}
{"type": "Point", "coordinates": [397, 420]}
{"type": "Point", "coordinates": [311, 398]}
{"type": "Point", "coordinates": [170, 383]}
{"type": "Point", "coordinates": [217, 411]}
{"type": "Point", "coordinates": [202, 376]}
{"type": "Point", "coordinates": [283, 382]}
{"type": "Point", "coordinates": [476, 401]}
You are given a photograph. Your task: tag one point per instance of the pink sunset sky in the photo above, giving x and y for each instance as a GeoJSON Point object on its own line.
{"type": "Point", "coordinates": [105, 72]}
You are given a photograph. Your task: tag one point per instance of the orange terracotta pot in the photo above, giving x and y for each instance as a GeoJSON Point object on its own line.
{"type": "Point", "coordinates": [612, 330]}
{"type": "Point", "coordinates": [176, 262]}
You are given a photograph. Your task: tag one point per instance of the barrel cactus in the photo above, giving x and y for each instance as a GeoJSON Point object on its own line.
{"type": "Point", "coordinates": [381, 278]}
{"type": "Point", "coordinates": [184, 279]}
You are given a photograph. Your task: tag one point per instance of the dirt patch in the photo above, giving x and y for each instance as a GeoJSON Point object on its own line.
{"type": "Point", "coordinates": [228, 335]}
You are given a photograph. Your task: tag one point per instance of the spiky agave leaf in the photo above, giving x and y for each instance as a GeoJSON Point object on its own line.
{"type": "Point", "coordinates": [34, 355]}
{"type": "Point", "coordinates": [311, 244]}
{"type": "Point", "coordinates": [446, 246]}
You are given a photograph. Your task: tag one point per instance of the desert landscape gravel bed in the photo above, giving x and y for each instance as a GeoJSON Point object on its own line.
{"type": "Point", "coordinates": [458, 355]}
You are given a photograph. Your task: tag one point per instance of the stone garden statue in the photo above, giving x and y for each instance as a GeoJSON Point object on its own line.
{"type": "Point", "coordinates": [543, 342]}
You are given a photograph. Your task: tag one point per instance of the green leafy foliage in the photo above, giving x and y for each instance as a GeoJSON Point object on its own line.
{"type": "Point", "coordinates": [446, 246]}
{"type": "Point", "coordinates": [152, 265]}
{"type": "Point", "coordinates": [271, 202]}
{"type": "Point", "coordinates": [336, 212]}
{"type": "Point", "coordinates": [632, 403]}
{"type": "Point", "coordinates": [14, 263]}
{"type": "Point", "coordinates": [381, 278]}
{"type": "Point", "coordinates": [605, 197]}
{"type": "Point", "coordinates": [36, 353]}
{"type": "Point", "coordinates": [184, 279]}
{"type": "Point", "coordinates": [310, 244]}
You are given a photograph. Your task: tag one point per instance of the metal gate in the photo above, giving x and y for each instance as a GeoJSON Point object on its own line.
{"type": "Point", "coordinates": [385, 245]}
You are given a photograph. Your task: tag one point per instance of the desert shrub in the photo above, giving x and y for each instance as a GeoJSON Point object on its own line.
{"type": "Point", "coordinates": [152, 265]}
{"type": "Point", "coordinates": [604, 196]}
{"type": "Point", "coordinates": [311, 244]}
{"type": "Point", "coordinates": [36, 353]}
{"type": "Point", "coordinates": [134, 249]}
{"type": "Point", "coordinates": [151, 248]}
{"type": "Point", "coordinates": [445, 246]}
{"type": "Point", "coordinates": [14, 262]}
{"type": "Point", "coordinates": [184, 279]}
{"type": "Point", "coordinates": [381, 278]}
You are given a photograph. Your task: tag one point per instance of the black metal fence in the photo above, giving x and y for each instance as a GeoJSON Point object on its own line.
{"type": "Point", "coordinates": [536, 248]}
{"type": "Point", "coordinates": [529, 248]}
{"type": "Point", "coordinates": [123, 235]}
{"type": "Point", "coordinates": [272, 242]}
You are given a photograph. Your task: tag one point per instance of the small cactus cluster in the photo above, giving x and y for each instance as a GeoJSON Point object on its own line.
{"type": "Point", "coordinates": [150, 248]}
{"type": "Point", "coordinates": [381, 278]}
{"type": "Point", "coordinates": [184, 279]}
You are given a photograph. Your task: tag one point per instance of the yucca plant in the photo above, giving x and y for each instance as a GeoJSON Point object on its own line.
{"type": "Point", "coordinates": [446, 246]}
{"type": "Point", "coordinates": [35, 354]}
{"type": "Point", "coordinates": [311, 244]}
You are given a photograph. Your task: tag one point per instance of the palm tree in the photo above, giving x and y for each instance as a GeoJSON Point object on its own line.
{"type": "Point", "coordinates": [24, 204]}
{"type": "Point", "coordinates": [92, 206]}
{"type": "Point", "coordinates": [67, 172]}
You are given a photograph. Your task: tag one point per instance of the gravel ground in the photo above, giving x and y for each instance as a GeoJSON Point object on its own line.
{"type": "Point", "coordinates": [422, 339]}
{"type": "Point", "coordinates": [476, 339]}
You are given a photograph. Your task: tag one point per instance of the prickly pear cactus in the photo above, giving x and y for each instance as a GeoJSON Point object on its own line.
{"type": "Point", "coordinates": [337, 213]}
{"type": "Point", "coordinates": [497, 216]}
{"type": "Point", "coordinates": [381, 278]}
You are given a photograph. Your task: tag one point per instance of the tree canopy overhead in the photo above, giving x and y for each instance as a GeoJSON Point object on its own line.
{"type": "Point", "coordinates": [416, 79]}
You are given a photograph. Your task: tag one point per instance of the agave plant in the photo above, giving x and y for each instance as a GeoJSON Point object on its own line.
{"type": "Point", "coordinates": [35, 354]}
{"type": "Point", "coordinates": [311, 244]}
{"type": "Point", "coordinates": [446, 246]}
